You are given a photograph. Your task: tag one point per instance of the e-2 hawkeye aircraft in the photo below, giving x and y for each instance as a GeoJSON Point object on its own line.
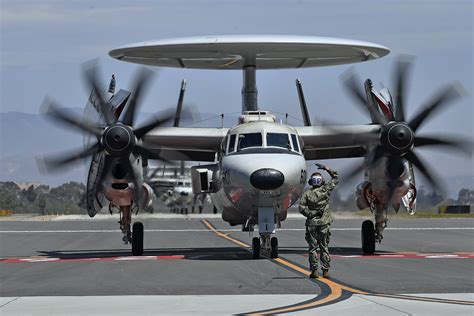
{"type": "Point", "coordinates": [257, 169]}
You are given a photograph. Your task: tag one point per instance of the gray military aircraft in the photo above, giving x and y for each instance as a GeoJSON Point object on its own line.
{"type": "Point", "coordinates": [257, 169]}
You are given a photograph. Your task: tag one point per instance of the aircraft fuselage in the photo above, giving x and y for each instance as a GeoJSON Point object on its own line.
{"type": "Point", "coordinates": [261, 166]}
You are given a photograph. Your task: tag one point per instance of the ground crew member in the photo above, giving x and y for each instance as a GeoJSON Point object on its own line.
{"type": "Point", "coordinates": [314, 205]}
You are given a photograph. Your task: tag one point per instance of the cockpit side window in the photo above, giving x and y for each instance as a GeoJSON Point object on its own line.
{"type": "Point", "coordinates": [224, 145]}
{"type": "Point", "coordinates": [294, 139]}
{"type": "Point", "coordinates": [278, 140]}
{"type": "Point", "coordinates": [249, 140]}
{"type": "Point", "coordinates": [232, 143]}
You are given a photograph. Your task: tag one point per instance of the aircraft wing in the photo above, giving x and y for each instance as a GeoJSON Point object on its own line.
{"type": "Point", "coordinates": [331, 142]}
{"type": "Point", "coordinates": [182, 143]}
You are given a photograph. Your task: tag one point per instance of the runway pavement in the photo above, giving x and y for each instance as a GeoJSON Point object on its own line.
{"type": "Point", "coordinates": [203, 266]}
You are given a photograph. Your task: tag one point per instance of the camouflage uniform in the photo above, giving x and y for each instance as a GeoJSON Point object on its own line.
{"type": "Point", "coordinates": [314, 205]}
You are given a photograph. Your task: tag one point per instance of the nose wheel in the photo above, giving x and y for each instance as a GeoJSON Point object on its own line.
{"type": "Point", "coordinates": [256, 247]}
{"type": "Point", "coordinates": [274, 248]}
{"type": "Point", "coordinates": [269, 245]}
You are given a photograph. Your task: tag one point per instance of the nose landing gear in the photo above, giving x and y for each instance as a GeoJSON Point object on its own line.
{"type": "Point", "coordinates": [266, 243]}
{"type": "Point", "coordinates": [266, 227]}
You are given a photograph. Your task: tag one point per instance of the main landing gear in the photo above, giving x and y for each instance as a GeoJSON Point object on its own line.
{"type": "Point", "coordinates": [265, 243]}
{"type": "Point", "coordinates": [135, 236]}
{"type": "Point", "coordinates": [373, 233]}
{"type": "Point", "coordinates": [368, 237]}
{"type": "Point", "coordinates": [137, 239]}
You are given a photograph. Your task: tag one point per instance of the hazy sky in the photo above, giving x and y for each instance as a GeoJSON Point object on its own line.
{"type": "Point", "coordinates": [43, 44]}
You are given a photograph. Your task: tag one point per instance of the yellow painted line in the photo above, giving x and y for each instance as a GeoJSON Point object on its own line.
{"type": "Point", "coordinates": [218, 233]}
{"type": "Point", "coordinates": [335, 288]}
{"type": "Point", "coordinates": [332, 285]}
{"type": "Point", "coordinates": [336, 292]}
{"type": "Point", "coordinates": [283, 261]}
{"type": "Point", "coordinates": [334, 295]}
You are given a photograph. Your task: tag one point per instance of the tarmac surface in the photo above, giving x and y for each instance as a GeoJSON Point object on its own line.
{"type": "Point", "coordinates": [203, 266]}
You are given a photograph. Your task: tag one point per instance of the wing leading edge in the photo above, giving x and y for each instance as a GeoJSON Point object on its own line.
{"type": "Point", "coordinates": [332, 142]}
{"type": "Point", "coordinates": [182, 143]}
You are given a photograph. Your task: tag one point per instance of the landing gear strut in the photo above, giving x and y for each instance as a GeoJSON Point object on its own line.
{"type": "Point", "coordinates": [125, 220]}
{"type": "Point", "coordinates": [266, 227]}
{"type": "Point", "coordinates": [135, 236]}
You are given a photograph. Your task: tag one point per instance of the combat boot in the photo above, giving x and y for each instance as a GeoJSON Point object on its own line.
{"type": "Point", "coordinates": [314, 274]}
{"type": "Point", "coordinates": [326, 273]}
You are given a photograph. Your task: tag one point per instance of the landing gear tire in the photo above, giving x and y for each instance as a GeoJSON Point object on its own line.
{"type": "Point", "coordinates": [256, 247]}
{"type": "Point", "coordinates": [274, 248]}
{"type": "Point", "coordinates": [368, 237]}
{"type": "Point", "coordinates": [137, 239]}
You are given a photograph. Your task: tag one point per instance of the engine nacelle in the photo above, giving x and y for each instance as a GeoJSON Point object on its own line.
{"type": "Point", "coordinates": [364, 195]}
{"type": "Point", "coordinates": [146, 201]}
{"type": "Point", "coordinates": [121, 194]}
{"type": "Point", "coordinates": [409, 200]}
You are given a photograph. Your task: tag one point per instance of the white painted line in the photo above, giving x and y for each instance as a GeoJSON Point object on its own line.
{"type": "Point", "coordinates": [441, 256]}
{"type": "Point", "coordinates": [130, 258]}
{"type": "Point", "coordinates": [221, 230]}
{"type": "Point", "coordinates": [39, 259]}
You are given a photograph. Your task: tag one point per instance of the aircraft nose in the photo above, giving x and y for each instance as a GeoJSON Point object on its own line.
{"type": "Point", "coordinates": [267, 179]}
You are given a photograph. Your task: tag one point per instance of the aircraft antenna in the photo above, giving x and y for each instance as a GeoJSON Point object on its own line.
{"type": "Point", "coordinates": [177, 116]}
{"type": "Point", "coordinates": [304, 108]}
{"type": "Point", "coordinates": [179, 107]}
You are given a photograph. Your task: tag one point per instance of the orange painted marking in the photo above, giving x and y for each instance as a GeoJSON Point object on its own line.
{"type": "Point", "coordinates": [335, 288]}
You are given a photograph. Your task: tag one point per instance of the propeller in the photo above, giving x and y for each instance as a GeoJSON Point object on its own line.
{"type": "Point", "coordinates": [118, 138]}
{"type": "Point", "coordinates": [399, 137]}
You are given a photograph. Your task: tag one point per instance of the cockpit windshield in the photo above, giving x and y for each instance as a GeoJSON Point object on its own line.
{"type": "Point", "coordinates": [249, 140]}
{"type": "Point", "coordinates": [278, 140]}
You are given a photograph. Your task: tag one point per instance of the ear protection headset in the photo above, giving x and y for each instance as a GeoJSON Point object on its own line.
{"type": "Point", "coordinates": [316, 180]}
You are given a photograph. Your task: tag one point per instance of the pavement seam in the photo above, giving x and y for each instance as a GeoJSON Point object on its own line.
{"type": "Point", "coordinates": [16, 298]}
{"type": "Point", "coordinates": [390, 307]}
{"type": "Point", "coordinates": [423, 299]}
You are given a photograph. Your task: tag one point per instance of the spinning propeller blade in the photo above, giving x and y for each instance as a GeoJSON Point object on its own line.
{"type": "Point", "coordinates": [119, 143]}
{"type": "Point", "coordinates": [398, 138]}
